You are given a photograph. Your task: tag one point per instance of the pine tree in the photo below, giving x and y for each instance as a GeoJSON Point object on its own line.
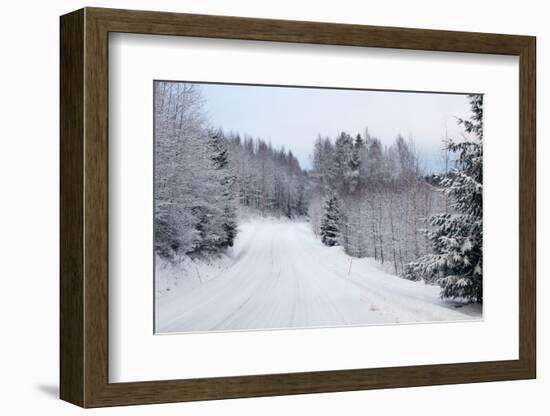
{"type": "Point", "coordinates": [457, 238]}
{"type": "Point", "coordinates": [330, 222]}
{"type": "Point", "coordinates": [218, 150]}
{"type": "Point", "coordinates": [355, 164]}
{"type": "Point", "coordinates": [219, 157]}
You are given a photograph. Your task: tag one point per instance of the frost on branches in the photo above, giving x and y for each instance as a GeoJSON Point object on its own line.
{"type": "Point", "coordinates": [457, 238]}
{"type": "Point", "coordinates": [330, 223]}
{"type": "Point", "coordinates": [204, 176]}
{"type": "Point", "coordinates": [194, 196]}
{"type": "Point", "coordinates": [383, 196]}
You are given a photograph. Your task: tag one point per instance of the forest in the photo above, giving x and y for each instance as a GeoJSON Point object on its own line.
{"type": "Point", "coordinates": [372, 200]}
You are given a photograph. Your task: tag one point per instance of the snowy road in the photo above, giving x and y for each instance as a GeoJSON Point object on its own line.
{"type": "Point", "coordinates": [281, 276]}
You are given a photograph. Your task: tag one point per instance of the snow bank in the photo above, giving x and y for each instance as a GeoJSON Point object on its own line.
{"type": "Point", "coordinates": [186, 274]}
{"type": "Point", "coordinates": [279, 275]}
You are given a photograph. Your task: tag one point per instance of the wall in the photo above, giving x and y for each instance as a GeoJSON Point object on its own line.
{"type": "Point", "coordinates": [29, 209]}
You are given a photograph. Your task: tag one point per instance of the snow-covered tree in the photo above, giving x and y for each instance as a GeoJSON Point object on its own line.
{"type": "Point", "coordinates": [457, 238]}
{"type": "Point", "coordinates": [331, 222]}
{"type": "Point", "coordinates": [219, 157]}
{"type": "Point", "coordinates": [382, 193]}
{"type": "Point", "coordinates": [195, 211]}
{"type": "Point", "coordinates": [343, 163]}
{"type": "Point", "coordinates": [355, 165]}
{"type": "Point", "coordinates": [178, 126]}
{"type": "Point", "coordinates": [269, 181]}
{"type": "Point", "coordinates": [323, 171]}
{"type": "Point", "coordinates": [371, 199]}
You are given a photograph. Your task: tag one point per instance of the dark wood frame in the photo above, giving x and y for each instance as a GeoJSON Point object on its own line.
{"type": "Point", "coordinates": [84, 207]}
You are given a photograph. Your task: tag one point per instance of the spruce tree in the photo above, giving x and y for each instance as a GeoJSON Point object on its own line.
{"type": "Point", "coordinates": [330, 222]}
{"type": "Point", "coordinates": [219, 157]}
{"type": "Point", "coordinates": [457, 238]}
{"type": "Point", "coordinates": [355, 164]}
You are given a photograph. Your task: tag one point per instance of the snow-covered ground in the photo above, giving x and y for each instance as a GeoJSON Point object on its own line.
{"type": "Point", "coordinates": [279, 275]}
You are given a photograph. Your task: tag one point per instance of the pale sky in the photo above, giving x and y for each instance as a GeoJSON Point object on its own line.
{"type": "Point", "coordinates": [293, 117]}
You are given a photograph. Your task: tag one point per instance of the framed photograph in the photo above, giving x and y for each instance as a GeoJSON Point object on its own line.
{"type": "Point", "coordinates": [254, 207]}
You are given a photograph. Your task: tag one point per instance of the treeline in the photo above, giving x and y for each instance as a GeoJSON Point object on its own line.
{"type": "Point", "coordinates": [202, 176]}
{"type": "Point", "coordinates": [195, 206]}
{"type": "Point", "coordinates": [372, 199]}
{"type": "Point", "coordinates": [375, 201]}
{"type": "Point", "coordinates": [269, 181]}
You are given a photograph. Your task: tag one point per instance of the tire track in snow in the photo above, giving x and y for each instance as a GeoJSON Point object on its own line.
{"type": "Point", "coordinates": [282, 276]}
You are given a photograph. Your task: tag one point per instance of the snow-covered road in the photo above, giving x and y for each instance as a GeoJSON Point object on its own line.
{"type": "Point", "coordinates": [281, 276]}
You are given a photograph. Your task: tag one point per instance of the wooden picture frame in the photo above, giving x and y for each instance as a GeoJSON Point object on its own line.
{"type": "Point", "coordinates": [84, 207]}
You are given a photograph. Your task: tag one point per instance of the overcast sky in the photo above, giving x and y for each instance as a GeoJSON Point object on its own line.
{"type": "Point", "coordinates": [293, 117]}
